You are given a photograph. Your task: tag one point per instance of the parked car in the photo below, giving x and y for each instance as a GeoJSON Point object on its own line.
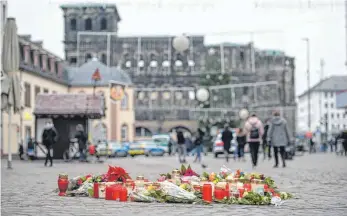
{"type": "Point", "coordinates": [112, 149]}
{"type": "Point", "coordinates": [218, 145]}
{"type": "Point", "coordinates": [163, 141]}
{"type": "Point", "coordinates": [152, 148]}
{"type": "Point", "coordinates": [137, 148]}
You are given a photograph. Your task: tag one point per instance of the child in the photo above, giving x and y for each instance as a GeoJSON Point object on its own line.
{"type": "Point", "coordinates": [241, 141]}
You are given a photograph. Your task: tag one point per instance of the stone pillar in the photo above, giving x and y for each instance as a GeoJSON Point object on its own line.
{"type": "Point", "coordinates": [27, 54]}
{"type": "Point", "coordinates": [52, 63]}
{"type": "Point", "coordinates": [44, 62]}
{"type": "Point", "coordinates": [60, 69]}
{"type": "Point", "coordinates": [36, 58]}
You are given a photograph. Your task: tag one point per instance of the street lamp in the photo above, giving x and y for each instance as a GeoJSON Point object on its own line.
{"type": "Point", "coordinates": [180, 43]}
{"type": "Point", "coordinates": [307, 40]}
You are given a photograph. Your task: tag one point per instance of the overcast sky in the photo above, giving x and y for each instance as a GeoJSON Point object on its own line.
{"type": "Point", "coordinates": [277, 24]}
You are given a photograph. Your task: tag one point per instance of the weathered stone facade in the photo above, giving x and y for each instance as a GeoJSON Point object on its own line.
{"type": "Point", "coordinates": [152, 62]}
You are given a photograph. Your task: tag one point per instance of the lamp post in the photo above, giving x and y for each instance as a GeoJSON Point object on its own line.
{"type": "Point", "coordinates": [307, 40]}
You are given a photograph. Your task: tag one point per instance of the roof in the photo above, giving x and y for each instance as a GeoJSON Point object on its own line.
{"type": "Point", "coordinates": [92, 5]}
{"type": "Point", "coordinates": [81, 76]}
{"type": "Point", "coordinates": [331, 84]}
{"type": "Point", "coordinates": [70, 104]}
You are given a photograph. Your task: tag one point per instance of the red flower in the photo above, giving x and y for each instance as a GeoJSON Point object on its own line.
{"type": "Point", "coordinates": [117, 174]}
{"type": "Point", "coordinates": [79, 182]}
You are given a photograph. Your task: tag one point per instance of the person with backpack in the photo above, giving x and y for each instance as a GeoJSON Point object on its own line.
{"type": "Point", "coordinates": [49, 138]}
{"type": "Point", "coordinates": [254, 130]}
{"type": "Point", "coordinates": [227, 137]}
{"type": "Point", "coordinates": [182, 151]}
{"type": "Point", "coordinates": [279, 137]}
{"type": "Point", "coordinates": [82, 138]}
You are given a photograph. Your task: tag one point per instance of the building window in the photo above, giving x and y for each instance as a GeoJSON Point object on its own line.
{"type": "Point", "coordinates": [56, 67]}
{"type": "Point", "coordinates": [344, 126]}
{"type": "Point", "coordinates": [54, 92]}
{"type": "Point", "coordinates": [103, 24]}
{"type": "Point", "coordinates": [21, 51]}
{"type": "Point", "coordinates": [32, 57]}
{"type": "Point", "coordinates": [124, 102]}
{"type": "Point", "coordinates": [326, 94]}
{"type": "Point", "coordinates": [27, 99]}
{"type": "Point", "coordinates": [332, 105]}
{"type": "Point", "coordinates": [73, 60]}
{"type": "Point", "coordinates": [332, 115]}
{"type": "Point", "coordinates": [45, 91]}
{"type": "Point", "coordinates": [88, 56]}
{"type": "Point", "coordinates": [326, 105]}
{"type": "Point", "coordinates": [124, 133]}
{"type": "Point", "coordinates": [103, 58]}
{"type": "Point", "coordinates": [49, 68]}
{"type": "Point", "coordinates": [88, 24]}
{"type": "Point", "coordinates": [37, 90]}
{"type": "Point", "coordinates": [338, 115]}
{"type": "Point", "coordinates": [332, 94]}
{"type": "Point", "coordinates": [40, 61]}
{"type": "Point", "coordinates": [73, 25]}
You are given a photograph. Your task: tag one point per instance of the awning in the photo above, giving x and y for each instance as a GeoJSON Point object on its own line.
{"type": "Point", "coordinates": [70, 105]}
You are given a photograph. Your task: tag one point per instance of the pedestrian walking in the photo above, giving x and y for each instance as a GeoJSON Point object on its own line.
{"type": "Point", "coordinates": [49, 138]}
{"type": "Point", "coordinates": [198, 148]}
{"type": "Point", "coordinates": [182, 151]}
{"type": "Point", "coordinates": [82, 138]}
{"type": "Point", "coordinates": [266, 146]}
{"type": "Point", "coordinates": [279, 137]}
{"type": "Point", "coordinates": [31, 149]}
{"type": "Point", "coordinates": [254, 130]}
{"type": "Point", "coordinates": [21, 151]}
{"type": "Point", "coordinates": [241, 142]}
{"type": "Point", "coordinates": [312, 144]}
{"type": "Point", "coordinates": [227, 137]}
{"type": "Point", "coordinates": [343, 136]}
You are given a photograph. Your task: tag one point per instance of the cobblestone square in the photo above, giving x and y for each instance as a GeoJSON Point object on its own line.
{"type": "Point", "coordinates": [319, 183]}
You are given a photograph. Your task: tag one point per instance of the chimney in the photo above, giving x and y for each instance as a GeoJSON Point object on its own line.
{"type": "Point", "coordinates": [26, 37]}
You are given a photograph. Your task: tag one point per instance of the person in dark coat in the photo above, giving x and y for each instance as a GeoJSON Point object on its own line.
{"type": "Point", "coordinates": [49, 138]}
{"type": "Point", "coordinates": [343, 136]}
{"type": "Point", "coordinates": [21, 151]}
{"type": "Point", "coordinates": [227, 137]}
{"type": "Point", "coordinates": [82, 138]}
{"type": "Point", "coordinates": [265, 142]}
{"type": "Point", "coordinates": [182, 151]}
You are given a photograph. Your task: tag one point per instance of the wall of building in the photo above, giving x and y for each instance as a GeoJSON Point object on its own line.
{"type": "Point", "coordinates": [23, 123]}
{"type": "Point", "coordinates": [320, 112]}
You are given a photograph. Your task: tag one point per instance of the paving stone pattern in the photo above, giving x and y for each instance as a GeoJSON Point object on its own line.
{"type": "Point", "coordinates": [318, 181]}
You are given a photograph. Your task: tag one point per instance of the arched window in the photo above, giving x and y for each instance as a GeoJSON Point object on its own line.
{"type": "Point", "coordinates": [88, 24]}
{"type": "Point", "coordinates": [103, 24]}
{"type": "Point", "coordinates": [73, 25]}
{"type": "Point", "coordinates": [124, 102]}
{"type": "Point", "coordinates": [103, 58]}
{"type": "Point", "coordinates": [124, 132]}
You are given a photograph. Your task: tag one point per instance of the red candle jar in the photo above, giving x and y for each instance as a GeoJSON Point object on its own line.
{"type": "Point", "coordinates": [227, 191]}
{"type": "Point", "coordinates": [116, 192]}
{"type": "Point", "coordinates": [96, 189]}
{"type": "Point", "coordinates": [123, 194]}
{"type": "Point", "coordinates": [247, 187]}
{"type": "Point", "coordinates": [219, 194]}
{"type": "Point", "coordinates": [207, 192]}
{"type": "Point", "coordinates": [63, 183]}
{"type": "Point", "coordinates": [241, 191]}
{"type": "Point", "coordinates": [108, 193]}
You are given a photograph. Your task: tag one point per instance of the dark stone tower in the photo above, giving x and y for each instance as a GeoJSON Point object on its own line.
{"type": "Point", "coordinates": [88, 18]}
